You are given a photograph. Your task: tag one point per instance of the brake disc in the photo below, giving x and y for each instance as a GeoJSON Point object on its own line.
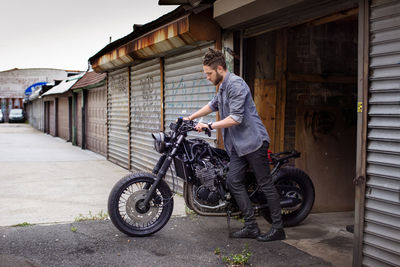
{"type": "Point", "coordinates": [132, 208]}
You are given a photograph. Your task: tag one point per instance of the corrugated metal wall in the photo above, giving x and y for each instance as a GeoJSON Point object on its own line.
{"type": "Point", "coordinates": [381, 241]}
{"type": "Point", "coordinates": [145, 114]}
{"type": "Point", "coordinates": [36, 117]}
{"type": "Point", "coordinates": [96, 128]}
{"type": "Point", "coordinates": [186, 88]}
{"type": "Point", "coordinates": [118, 117]}
{"type": "Point", "coordinates": [63, 118]}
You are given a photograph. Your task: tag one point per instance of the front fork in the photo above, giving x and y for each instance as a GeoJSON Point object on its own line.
{"type": "Point", "coordinates": [165, 161]}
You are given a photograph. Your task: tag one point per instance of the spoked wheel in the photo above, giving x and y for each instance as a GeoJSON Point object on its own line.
{"type": "Point", "coordinates": [296, 187]}
{"type": "Point", "coordinates": [127, 209]}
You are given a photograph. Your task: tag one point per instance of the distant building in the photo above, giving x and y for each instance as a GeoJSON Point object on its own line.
{"type": "Point", "coordinates": [14, 82]}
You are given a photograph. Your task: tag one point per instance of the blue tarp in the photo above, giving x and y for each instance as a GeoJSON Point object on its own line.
{"type": "Point", "coordinates": [32, 87]}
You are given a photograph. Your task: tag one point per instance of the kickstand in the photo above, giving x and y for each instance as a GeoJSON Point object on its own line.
{"type": "Point", "coordinates": [228, 220]}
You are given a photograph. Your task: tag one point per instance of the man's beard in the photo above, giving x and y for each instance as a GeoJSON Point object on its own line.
{"type": "Point", "coordinates": [218, 79]}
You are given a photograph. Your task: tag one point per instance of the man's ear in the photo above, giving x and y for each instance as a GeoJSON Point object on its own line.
{"type": "Point", "coordinates": [220, 69]}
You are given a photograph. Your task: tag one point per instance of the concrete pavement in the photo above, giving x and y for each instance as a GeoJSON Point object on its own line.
{"type": "Point", "coordinates": [47, 180]}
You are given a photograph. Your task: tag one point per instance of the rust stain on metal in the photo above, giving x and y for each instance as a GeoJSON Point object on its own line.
{"type": "Point", "coordinates": [112, 58]}
{"type": "Point", "coordinates": [183, 31]}
{"type": "Point", "coordinates": [159, 35]}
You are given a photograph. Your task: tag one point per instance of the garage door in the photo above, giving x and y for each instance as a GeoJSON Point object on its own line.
{"type": "Point", "coordinates": [118, 117]}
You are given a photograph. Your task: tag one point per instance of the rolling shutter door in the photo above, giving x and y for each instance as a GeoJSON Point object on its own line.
{"type": "Point", "coordinates": [145, 114]}
{"type": "Point", "coordinates": [381, 241]}
{"type": "Point", "coordinates": [63, 118]}
{"type": "Point", "coordinates": [96, 120]}
{"type": "Point", "coordinates": [118, 117]}
{"type": "Point", "coordinates": [187, 89]}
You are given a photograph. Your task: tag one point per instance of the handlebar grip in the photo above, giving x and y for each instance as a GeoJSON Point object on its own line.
{"type": "Point", "coordinates": [207, 131]}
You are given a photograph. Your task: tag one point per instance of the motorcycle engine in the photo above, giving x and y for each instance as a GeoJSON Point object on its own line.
{"type": "Point", "coordinates": [207, 173]}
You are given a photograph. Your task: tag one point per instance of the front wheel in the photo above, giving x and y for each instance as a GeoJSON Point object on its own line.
{"type": "Point", "coordinates": [126, 209]}
{"type": "Point", "coordinates": [293, 184]}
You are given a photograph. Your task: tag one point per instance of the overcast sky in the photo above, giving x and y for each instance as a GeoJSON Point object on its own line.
{"type": "Point", "coordinates": [63, 34]}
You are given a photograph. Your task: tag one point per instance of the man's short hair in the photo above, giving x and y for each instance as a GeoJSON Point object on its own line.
{"type": "Point", "coordinates": [214, 58]}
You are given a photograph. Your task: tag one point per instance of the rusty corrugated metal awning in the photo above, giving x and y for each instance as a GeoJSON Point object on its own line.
{"type": "Point", "coordinates": [174, 30]}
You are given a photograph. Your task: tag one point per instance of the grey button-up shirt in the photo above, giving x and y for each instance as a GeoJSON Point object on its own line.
{"type": "Point", "coordinates": [234, 99]}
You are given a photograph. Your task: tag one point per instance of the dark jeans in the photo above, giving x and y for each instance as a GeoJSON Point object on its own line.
{"type": "Point", "coordinates": [236, 183]}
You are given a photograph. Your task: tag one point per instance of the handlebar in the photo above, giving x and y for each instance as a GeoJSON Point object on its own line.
{"type": "Point", "coordinates": [207, 131]}
{"type": "Point", "coordinates": [185, 126]}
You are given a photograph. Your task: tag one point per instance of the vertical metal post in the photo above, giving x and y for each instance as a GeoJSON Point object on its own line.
{"type": "Point", "coordinates": [362, 120]}
{"type": "Point", "coordinates": [220, 140]}
{"type": "Point", "coordinates": [129, 119]}
{"type": "Point", "coordinates": [161, 94]}
{"type": "Point", "coordinates": [107, 123]}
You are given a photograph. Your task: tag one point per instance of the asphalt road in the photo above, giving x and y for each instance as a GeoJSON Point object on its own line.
{"type": "Point", "coordinates": [48, 182]}
{"type": "Point", "coordinates": [185, 241]}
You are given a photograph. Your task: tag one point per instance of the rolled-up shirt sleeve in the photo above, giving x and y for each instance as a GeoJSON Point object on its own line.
{"type": "Point", "coordinates": [237, 98]}
{"type": "Point", "coordinates": [213, 104]}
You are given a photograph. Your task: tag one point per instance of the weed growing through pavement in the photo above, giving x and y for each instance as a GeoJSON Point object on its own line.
{"type": "Point", "coordinates": [24, 224]}
{"type": "Point", "coordinates": [101, 216]}
{"type": "Point", "coordinates": [239, 259]}
{"type": "Point", "coordinates": [190, 212]}
{"type": "Point", "coordinates": [73, 229]}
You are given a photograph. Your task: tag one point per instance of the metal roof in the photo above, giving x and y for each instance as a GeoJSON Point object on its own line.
{"type": "Point", "coordinates": [90, 78]}
{"type": "Point", "coordinates": [64, 86]}
{"type": "Point", "coordinates": [176, 30]}
{"type": "Point", "coordinates": [140, 31]}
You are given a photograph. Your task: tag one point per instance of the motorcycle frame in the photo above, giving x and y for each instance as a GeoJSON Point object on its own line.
{"type": "Point", "coordinates": [185, 173]}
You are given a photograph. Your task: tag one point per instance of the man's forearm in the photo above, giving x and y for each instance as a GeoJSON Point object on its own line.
{"type": "Point", "coordinates": [201, 112]}
{"type": "Point", "coordinates": [225, 123]}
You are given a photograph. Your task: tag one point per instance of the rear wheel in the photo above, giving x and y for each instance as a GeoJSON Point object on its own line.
{"type": "Point", "coordinates": [127, 211]}
{"type": "Point", "coordinates": [293, 184]}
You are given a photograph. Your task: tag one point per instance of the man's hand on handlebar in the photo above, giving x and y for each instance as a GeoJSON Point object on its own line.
{"type": "Point", "coordinates": [201, 127]}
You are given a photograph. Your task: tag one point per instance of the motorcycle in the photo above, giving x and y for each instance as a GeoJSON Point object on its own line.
{"type": "Point", "coordinates": [140, 204]}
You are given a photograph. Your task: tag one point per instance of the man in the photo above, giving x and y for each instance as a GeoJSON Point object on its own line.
{"type": "Point", "coordinates": [246, 141]}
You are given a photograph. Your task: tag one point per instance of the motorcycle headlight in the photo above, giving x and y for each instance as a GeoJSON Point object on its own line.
{"type": "Point", "coordinates": [159, 142]}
